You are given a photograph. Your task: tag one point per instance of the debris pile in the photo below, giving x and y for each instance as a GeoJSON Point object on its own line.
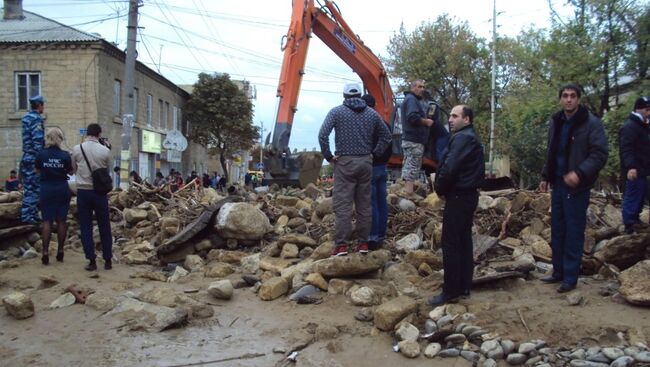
{"type": "Point", "coordinates": [277, 243]}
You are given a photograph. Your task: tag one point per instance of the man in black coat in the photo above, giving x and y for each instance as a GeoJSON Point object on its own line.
{"type": "Point", "coordinates": [460, 174]}
{"type": "Point", "coordinates": [634, 148]}
{"type": "Point", "coordinates": [577, 151]}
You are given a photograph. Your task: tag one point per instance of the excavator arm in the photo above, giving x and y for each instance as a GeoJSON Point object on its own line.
{"type": "Point", "coordinates": [327, 24]}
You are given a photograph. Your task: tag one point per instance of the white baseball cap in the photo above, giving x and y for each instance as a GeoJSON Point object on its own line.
{"type": "Point", "coordinates": [352, 89]}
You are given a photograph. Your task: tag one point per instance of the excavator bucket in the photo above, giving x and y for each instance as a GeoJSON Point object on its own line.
{"type": "Point", "coordinates": [296, 170]}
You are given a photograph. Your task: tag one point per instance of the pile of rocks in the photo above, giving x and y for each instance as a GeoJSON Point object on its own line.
{"type": "Point", "coordinates": [447, 334]}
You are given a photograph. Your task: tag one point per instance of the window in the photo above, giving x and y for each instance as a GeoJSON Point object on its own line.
{"type": "Point", "coordinates": [117, 94]}
{"type": "Point", "coordinates": [28, 85]}
{"type": "Point", "coordinates": [149, 109]}
{"type": "Point", "coordinates": [175, 118]}
{"type": "Point", "coordinates": [161, 123]}
{"type": "Point", "coordinates": [166, 119]}
{"type": "Point", "coordinates": [135, 104]}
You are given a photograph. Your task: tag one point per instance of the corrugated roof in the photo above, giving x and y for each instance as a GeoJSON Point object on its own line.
{"type": "Point", "coordinates": [36, 28]}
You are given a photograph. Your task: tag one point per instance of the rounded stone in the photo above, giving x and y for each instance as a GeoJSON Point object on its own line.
{"type": "Point", "coordinates": [409, 348]}
{"type": "Point", "coordinates": [490, 363]}
{"type": "Point", "coordinates": [456, 338]}
{"type": "Point", "coordinates": [469, 329]}
{"type": "Point", "coordinates": [470, 356]}
{"type": "Point", "coordinates": [525, 348]}
{"type": "Point", "coordinates": [430, 326]}
{"type": "Point", "coordinates": [516, 359]}
{"type": "Point", "coordinates": [508, 346]}
{"type": "Point", "coordinates": [643, 357]}
{"type": "Point", "coordinates": [613, 353]}
{"type": "Point", "coordinates": [432, 350]}
{"type": "Point", "coordinates": [449, 353]}
{"type": "Point", "coordinates": [624, 361]}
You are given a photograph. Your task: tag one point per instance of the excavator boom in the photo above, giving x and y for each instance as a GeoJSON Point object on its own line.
{"type": "Point", "coordinates": [327, 24]}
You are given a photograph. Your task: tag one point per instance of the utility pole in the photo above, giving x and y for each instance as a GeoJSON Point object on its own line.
{"type": "Point", "coordinates": [494, 74]}
{"type": "Point", "coordinates": [128, 118]}
{"type": "Point", "coordinates": [262, 142]}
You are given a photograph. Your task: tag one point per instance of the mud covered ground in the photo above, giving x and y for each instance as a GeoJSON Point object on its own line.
{"type": "Point", "coordinates": [246, 331]}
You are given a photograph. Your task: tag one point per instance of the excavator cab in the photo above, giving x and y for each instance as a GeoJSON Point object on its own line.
{"type": "Point", "coordinates": [324, 21]}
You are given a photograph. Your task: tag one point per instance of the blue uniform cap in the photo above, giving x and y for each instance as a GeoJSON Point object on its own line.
{"type": "Point", "coordinates": [37, 99]}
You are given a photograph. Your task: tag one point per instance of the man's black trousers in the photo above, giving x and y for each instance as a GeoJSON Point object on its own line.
{"type": "Point", "coordinates": [457, 248]}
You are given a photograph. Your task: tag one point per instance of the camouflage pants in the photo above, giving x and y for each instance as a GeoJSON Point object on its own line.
{"type": "Point", "coordinates": [412, 163]}
{"type": "Point", "coordinates": [31, 194]}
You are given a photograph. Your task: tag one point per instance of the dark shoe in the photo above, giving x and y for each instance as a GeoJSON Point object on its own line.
{"type": "Point", "coordinates": [340, 251]}
{"type": "Point", "coordinates": [92, 266]}
{"type": "Point", "coordinates": [45, 259]}
{"type": "Point", "coordinates": [59, 257]}
{"type": "Point", "coordinates": [361, 248]}
{"type": "Point", "coordinates": [563, 288]}
{"type": "Point", "coordinates": [108, 265]}
{"type": "Point", "coordinates": [441, 299]}
{"type": "Point", "coordinates": [550, 279]}
{"type": "Point", "coordinates": [373, 245]}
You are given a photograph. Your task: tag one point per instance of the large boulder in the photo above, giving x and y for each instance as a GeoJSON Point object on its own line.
{"type": "Point", "coordinates": [324, 207]}
{"type": "Point", "coordinates": [19, 305]}
{"type": "Point", "coordinates": [273, 288]}
{"type": "Point", "coordinates": [142, 315]}
{"type": "Point", "coordinates": [418, 257]}
{"type": "Point", "coordinates": [133, 216]}
{"type": "Point", "coordinates": [283, 200]}
{"type": "Point", "coordinates": [635, 284]}
{"type": "Point", "coordinates": [242, 221]}
{"type": "Point", "coordinates": [354, 264]}
{"type": "Point", "coordinates": [221, 289]}
{"type": "Point", "coordinates": [624, 251]}
{"type": "Point", "coordinates": [388, 314]}
{"type": "Point", "coordinates": [409, 242]}
{"type": "Point", "coordinates": [10, 210]}
{"type": "Point", "coordinates": [301, 240]}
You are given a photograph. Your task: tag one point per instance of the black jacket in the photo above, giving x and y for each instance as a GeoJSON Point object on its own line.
{"type": "Point", "coordinates": [587, 148]}
{"type": "Point", "coordinates": [412, 114]}
{"type": "Point", "coordinates": [634, 145]}
{"type": "Point", "coordinates": [462, 167]}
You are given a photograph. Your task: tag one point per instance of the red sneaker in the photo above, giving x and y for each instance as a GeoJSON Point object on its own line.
{"type": "Point", "coordinates": [362, 248]}
{"type": "Point", "coordinates": [340, 250]}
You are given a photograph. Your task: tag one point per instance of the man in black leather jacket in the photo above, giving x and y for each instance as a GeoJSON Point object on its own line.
{"type": "Point", "coordinates": [459, 176]}
{"type": "Point", "coordinates": [634, 144]}
{"type": "Point", "coordinates": [577, 151]}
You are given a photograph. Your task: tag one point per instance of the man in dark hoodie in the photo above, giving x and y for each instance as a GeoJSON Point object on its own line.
{"type": "Point", "coordinates": [415, 133]}
{"type": "Point", "coordinates": [634, 143]}
{"type": "Point", "coordinates": [577, 151]}
{"type": "Point", "coordinates": [355, 125]}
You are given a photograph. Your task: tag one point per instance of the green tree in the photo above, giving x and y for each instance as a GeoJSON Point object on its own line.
{"type": "Point", "coordinates": [449, 57]}
{"type": "Point", "coordinates": [221, 115]}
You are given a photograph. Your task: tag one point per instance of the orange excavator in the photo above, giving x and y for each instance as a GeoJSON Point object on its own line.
{"type": "Point", "coordinates": [326, 22]}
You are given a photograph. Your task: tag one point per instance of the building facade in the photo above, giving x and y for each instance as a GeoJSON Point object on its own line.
{"type": "Point", "coordinates": [81, 77]}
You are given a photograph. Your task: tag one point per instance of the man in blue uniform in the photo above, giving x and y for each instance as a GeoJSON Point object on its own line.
{"type": "Point", "coordinates": [33, 141]}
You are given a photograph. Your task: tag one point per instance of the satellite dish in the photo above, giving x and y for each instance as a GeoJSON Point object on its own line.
{"type": "Point", "coordinates": [175, 141]}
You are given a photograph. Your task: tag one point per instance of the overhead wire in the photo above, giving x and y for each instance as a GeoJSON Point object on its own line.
{"type": "Point", "coordinates": [177, 33]}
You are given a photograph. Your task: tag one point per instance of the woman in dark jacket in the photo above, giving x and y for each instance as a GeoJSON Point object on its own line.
{"type": "Point", "coordinates": [54, 165]}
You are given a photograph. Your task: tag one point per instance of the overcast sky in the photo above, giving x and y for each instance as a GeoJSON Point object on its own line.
{"type": "Point", "coordinates": [242, 38]}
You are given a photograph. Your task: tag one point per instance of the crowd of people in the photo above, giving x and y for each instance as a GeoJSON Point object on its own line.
{"type": "Point", "coordinates": [577, 150]}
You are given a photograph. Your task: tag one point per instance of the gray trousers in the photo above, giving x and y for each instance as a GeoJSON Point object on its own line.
{"type": "Point", "coordinates": [352, 180]}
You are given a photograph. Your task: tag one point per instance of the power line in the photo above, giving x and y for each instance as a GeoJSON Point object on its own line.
{"type": "Point", "coordinates": [177, 34]}
{"type": "Point", "coordinates": [273, 60]}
